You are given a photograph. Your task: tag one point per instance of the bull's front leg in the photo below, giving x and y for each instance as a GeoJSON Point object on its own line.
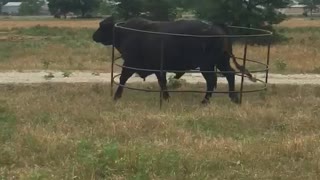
{"type": "Point", "coordinates": [162, 80]}
{"type": "Point", "coordinates": [125, 75]}
{"type": "Point", "coordinates": [229, 73]}
{"type": "Point", "coordinates": [210, 81]}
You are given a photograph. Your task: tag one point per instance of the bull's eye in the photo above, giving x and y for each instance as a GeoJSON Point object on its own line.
{"type": "Point", "coordinates": [104, 28]}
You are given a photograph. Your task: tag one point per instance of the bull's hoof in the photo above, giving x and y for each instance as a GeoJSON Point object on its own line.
{"type": "Point", "coordinates": [166, 96]}
{"type": "Point", "coordinates": [116, 98]}
{"type": "Point", "coordinates": [205, 102]}
{"type": "Point", "coordinates": [166, 99]}
{"type": "Point", "coordinates": [235, 98]}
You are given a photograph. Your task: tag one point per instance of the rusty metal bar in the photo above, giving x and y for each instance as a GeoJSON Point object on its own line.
{"type": "Point", "coordinates": [112, 62]}
{"type": "Point", "coordinates": [268, 61]}
{"type": "Point", "coordinates": [244, 66]}
{"type": "Point", "coordinates": [161, 73]}
{"type": "Point", "coordinates": [262, 88]}
{"type": "Point", "coordinates": [162, 61]}
{"type": "Point", "coordinates": [196, 71]}
{"type": "Point", "coordinates": [259, 32]}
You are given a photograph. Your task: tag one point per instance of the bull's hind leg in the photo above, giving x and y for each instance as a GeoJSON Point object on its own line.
{"type": "Point", "coordinates": [210, 81]}
{"type": "Point", "coordinates": [229, 73]}
{"type": "Point", "coordinates": [162, 80]}
{"type": "Point", "coordinates": [179, 75]}
{"type": "Point", "coordinates": [125, 75]}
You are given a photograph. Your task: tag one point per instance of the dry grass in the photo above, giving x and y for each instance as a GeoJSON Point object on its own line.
{"type": "Point", "coordinates": [284, 58]}
{"type": "Point", "coordinates": [290, 23]}
{"type": "Point", "coordinates": [59, 57]}
{"type": "Point", "coordinates": [42, 47]}
{"type": "Point", "coordinates": [299, 22]}
{"type": "Point", "coordinates": [10, 24]}
{"type": "Point", "coordinates": [77, 132]}
{"type": "Point", "coordinates": [33, 47]}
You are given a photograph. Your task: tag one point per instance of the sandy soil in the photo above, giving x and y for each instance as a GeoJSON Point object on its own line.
{"type": "Point", "coordinates": [30, 77]}
{"type": "Point", "coordinates": [9, 24]}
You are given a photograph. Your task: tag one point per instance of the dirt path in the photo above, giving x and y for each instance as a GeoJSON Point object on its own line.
{"type": "Point", "coordinates": [14, 77]}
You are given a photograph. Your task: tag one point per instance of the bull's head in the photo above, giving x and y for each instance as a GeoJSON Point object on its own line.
{"type": "Point", "coordinates": [104, 34]}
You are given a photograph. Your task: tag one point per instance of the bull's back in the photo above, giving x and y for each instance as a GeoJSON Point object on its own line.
{"type": "Point", "coordinates": [179, 52]}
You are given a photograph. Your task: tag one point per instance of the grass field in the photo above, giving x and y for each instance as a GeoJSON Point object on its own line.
{"type": "Point", "coordinates": [77, 132]}
{"type": "Point", "coordinates": [300, 22]}
{"type": "Point", "coordinates": [50, 23]}
{"type": "Point", "coordinates": [20, 22]}
{"type": "Point", "coordinates": [67, 45]}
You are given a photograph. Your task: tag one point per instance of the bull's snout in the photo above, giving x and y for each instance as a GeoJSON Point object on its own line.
{"type": "Point", "coordinates": [95, 37]}
{"type": "Point", "coordinates": [102, 37]}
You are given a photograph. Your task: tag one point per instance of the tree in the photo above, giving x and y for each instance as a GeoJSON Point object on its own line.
{"type": "Point", "coordinates": [106, 7]}
{"type": "Point", "coordinates": [86, 6]}
{"type": "Point", "coordinates": [151, 9]}
{"type": "Point", "coordinates": [311, 4]}
{"type": "Point", "coordinates": [160, 10]}
{"type": "Point", "coordinates": [62, 7]}
{"type": "Point", "coordinates": [31, 7]}
{"type": "Point", "coordinates": [129, 8]}
{"type": "Point", "coordinates": [252, 13]}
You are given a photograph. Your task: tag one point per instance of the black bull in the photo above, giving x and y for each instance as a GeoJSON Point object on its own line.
{"type": "Point", "coordinates": [143, 50]}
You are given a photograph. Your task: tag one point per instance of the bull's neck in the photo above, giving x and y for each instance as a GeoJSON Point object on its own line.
{"type": "Point", "coordinates": [118, 40]}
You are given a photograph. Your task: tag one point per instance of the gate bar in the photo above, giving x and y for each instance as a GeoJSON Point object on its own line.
{"type": "Point", "coordinates": [268, 61]}
{"type": "Point", "coordinates": [161, 73]}
{"type": "Point", "coordinates": [244, 66]}
{"type": "Point", "coordinates": [112, 61]}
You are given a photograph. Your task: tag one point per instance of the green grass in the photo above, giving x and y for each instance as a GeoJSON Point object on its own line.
{"type": "Point", "coordinates": [303, 35]}
{"type": "Point", "coordinates": [7, 131]}
{"type": "Point", "coordinates": [76, 131]}
{"type": "Point", "coordinates": [6, 50]}
{"type": "Point", "coordinates": [109, 159]}
{"type": "Point", "coordinates": [7, 123]}
{"type": "Point", "coordinates": [73, 38]}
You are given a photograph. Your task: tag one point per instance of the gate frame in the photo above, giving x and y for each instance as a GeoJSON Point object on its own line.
{"type": "Point", "coordinates": [260, 33]}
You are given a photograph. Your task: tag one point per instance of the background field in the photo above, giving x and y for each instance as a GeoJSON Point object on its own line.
{"type": "Point", "coordinates": [300, 22]}
{"type": "Point", "coordinates": [67, 45]}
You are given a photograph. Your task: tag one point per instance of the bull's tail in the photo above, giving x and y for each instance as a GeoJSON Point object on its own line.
{"type": "Point", "coordinates": [242, 68]}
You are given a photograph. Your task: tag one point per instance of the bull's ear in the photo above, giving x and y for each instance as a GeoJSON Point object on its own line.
{"type": "Point", "coordinates": [107, 21]}
{"type": "Point", "coordinates": [110, 20]}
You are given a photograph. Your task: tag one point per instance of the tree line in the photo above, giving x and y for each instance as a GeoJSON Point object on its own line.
{"type": "Point", "coordinates": [253, 13]}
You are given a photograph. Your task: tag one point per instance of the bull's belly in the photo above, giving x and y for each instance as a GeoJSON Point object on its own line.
{"type": "Point", "coordinates": [171, 66]}
{"type": "Point", "coordinates": [152, 64]}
